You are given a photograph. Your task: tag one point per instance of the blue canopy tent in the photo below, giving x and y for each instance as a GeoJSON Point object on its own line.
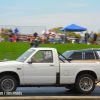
{"type": "Point", "coordinates": [73, 27]}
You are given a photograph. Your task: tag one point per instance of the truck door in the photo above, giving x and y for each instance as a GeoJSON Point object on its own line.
{"type": "Point", "coordinates": [42, 70]}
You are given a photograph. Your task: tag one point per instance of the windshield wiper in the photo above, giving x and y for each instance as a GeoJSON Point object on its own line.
{"type": "Point", "coordinates": [64, 57]}
{"type": "Point", "coordinates": [61, 59]}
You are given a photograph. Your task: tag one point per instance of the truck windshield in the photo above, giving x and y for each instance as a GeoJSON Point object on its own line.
{"type": "Point", "coordinates": [66, 54]}
{"type": "Point", "coordinates": [25, 55]}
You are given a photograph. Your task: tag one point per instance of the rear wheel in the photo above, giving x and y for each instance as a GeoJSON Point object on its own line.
{"type": "Point", "coordinates": [8, 84]}
{"type": "Point", "coordinates": [85, 83]}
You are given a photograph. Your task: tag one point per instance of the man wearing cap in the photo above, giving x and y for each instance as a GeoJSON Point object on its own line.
{"type": "Point", "coordinates": [91, 37]}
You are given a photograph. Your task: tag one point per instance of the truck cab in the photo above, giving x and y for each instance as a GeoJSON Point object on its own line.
{"type": "Point", "coordinates": [41, 69]}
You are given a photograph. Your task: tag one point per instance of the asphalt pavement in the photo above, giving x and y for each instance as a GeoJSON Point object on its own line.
{"type": "Point", "coordinates": [49, 92]}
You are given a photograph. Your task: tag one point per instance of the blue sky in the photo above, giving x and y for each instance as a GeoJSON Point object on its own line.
{"type": "Point", "coordinates": [51, 13]}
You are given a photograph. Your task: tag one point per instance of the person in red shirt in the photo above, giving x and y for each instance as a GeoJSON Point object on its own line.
{"type": "Point", "coordinates": [13, 38]}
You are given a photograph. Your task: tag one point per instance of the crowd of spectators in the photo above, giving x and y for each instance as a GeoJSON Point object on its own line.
{"type": "Point", "coordinates": [12, 34]}
{"type": "Point", "coordinates": [49, 37]}
{"type": "Point", "coordinates": [46, 37]}
{"type": "Point", "coordinates": [91, 38]}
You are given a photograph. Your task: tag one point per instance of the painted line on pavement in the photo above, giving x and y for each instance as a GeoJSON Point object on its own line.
{"type": "Point", "coordinates": [52, 97]}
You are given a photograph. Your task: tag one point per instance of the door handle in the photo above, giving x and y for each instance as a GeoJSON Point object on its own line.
{"type": "Point", "coordinates": [51, 65]}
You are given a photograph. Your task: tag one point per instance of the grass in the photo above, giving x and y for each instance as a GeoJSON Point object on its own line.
{"type": "Point", "coordinates": [14, 50]}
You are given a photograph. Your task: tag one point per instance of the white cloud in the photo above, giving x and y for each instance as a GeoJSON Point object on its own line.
{"type": "Point", "coordinates": [74, 4]}
{"type": "Point", "coordinates": [88, 20]}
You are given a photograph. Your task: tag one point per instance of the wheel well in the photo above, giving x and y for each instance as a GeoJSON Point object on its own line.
{"type": "Point", "coordinates": [87, 72]}
{"type": "Point", "coordinates": [15, 75]}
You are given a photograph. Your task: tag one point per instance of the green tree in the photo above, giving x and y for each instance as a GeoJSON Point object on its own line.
{"type": "Point", "coordinates": [98, 34]}
{"type": "Point", "coordinates": [72, 34]}
{"type": "Point", "coordinates": [57, 30]}
{"type": "Point", "coordinates": [79, 36]}
{"type": "Point", "coordinates": [5, 35]}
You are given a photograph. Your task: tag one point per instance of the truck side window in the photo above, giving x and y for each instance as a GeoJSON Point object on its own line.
{"type": "Point", "coordinates": [89, 56]}
{"type": "Point", "coordinates": [98, 52]}
{"type": "Point", "coordinates": [43, 56]}
{"type": "Point", "coordinates": [76, 56]}
{"type": "Point", "coordinates": [96, 55]}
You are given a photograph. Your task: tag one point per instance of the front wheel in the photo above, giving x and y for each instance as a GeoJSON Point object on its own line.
{"type": "Point", "coordinates": [8, 84]}
{"type": "Point", "coordinates": [85, 83]}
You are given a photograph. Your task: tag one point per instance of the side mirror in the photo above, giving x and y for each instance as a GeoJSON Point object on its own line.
{"type": "Point", "coordinates": [30, 62]}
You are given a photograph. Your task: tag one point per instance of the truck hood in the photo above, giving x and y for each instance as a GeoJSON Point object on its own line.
{"type": "Point", "coordinates": [9, 63]}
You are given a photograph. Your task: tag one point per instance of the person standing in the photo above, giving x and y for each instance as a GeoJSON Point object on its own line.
{"type": "Point", "coordinates": [36, 39]}
{"type": "Point", "coordinates": [16, 31]}
{"type": "Point", "coordinates": [95, 38]}
{"type": "Point", "coordinates": [32, 41]}
{"type": "Point", "coordinates": [86, 37]}
{"type": "Point", "coordinates": [91, 37]}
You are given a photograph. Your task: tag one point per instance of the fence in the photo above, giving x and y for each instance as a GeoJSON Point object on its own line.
{"type": "Point", "coordinates": [25, 29]}
{"type": "Point", "coordinates": [10, 55]}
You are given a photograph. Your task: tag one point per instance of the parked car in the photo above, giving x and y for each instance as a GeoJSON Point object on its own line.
{"type": "Point", "coordinates": [86, 55]}
{"type": "Point", "coordinates": [41, 67]}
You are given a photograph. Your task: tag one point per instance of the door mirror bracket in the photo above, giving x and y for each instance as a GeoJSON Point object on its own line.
{"type": "Point", "coordinates": [30, 62]}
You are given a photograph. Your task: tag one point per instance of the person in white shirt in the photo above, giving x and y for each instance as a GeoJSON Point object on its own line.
{"type": "Point", "coordinates": [53, 33]}
{"type": "Point", "coordinates": [48, 32]}
{"type": "Point", "coordinates": [44, 32]}
{"type": "Point", "coordinates": [58, 38]}
{"type": "Point", "coordinates": [52, 39]}
{"type": "Point", "coordinates": [43, 38]}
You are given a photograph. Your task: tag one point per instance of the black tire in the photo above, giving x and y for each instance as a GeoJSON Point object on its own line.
{"type": "Point", "coordinates": [8, 83]}
{"type": "Point", "coordinates": [85, 84]}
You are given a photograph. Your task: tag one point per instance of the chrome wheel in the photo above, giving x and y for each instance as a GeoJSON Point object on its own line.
{"type": "Point", "coordinates": [86, 84]}
{"type": "Point", "coordinates": [7, 85]}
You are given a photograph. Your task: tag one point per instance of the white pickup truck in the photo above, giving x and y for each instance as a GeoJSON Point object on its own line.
{"type": "Point", "coordinates": [42, 67]}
